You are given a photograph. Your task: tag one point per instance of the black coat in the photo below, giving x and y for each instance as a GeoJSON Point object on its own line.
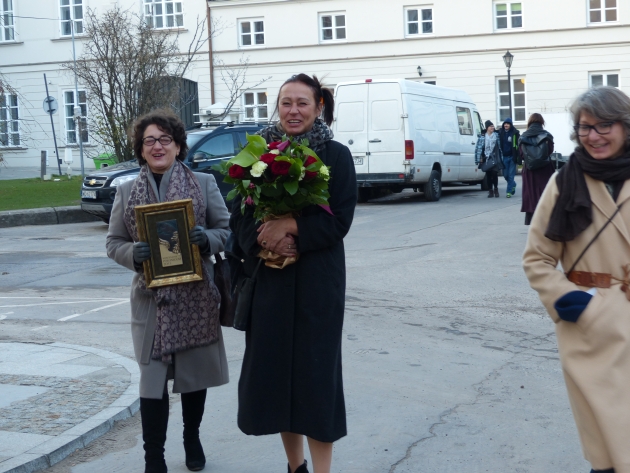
{"type": "Point", "coordinates": [291, 379]}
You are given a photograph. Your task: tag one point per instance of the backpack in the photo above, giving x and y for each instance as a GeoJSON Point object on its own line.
{"type": "Point", "coordinates": [535, 150]}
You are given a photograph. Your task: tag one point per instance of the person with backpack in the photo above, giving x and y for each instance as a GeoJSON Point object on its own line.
{"type": "Point", "coordinates": [509, 137]}
{"type": "Point", "coordinates": [488, 156]}
{"type": "Point", "coordinates": [535, 148]}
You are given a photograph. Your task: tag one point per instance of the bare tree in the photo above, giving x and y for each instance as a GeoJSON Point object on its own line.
{"type": "Point", "coordinates": [129, 68]}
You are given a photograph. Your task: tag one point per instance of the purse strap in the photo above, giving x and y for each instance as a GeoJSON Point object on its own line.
{"type": "Point", "coordinates": [260, 260]}
{"type": "Point", "coordinates": [595, 238]}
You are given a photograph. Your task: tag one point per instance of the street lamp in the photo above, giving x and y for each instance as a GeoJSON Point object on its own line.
{"type": "Point", "coordinates": [507, 59]}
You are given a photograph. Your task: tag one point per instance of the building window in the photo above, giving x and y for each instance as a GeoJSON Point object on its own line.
{"type": "Point", "coordinates": [163, 13]}
{"type": "Point", "coordinates": [69, 104]}
{"type": "Point", "coordinates": [601, 11]}
{"type": "Point", "coordinates": [508, 16]}
{"type": "Point", "coordinates": [7, 26]}
{"type": "Point", "coordinates": [71, 12]}
{"type": "Point", "coordinates": [255, 106]}
{"type": "Point", "coordinates": [332, 26]}
{"type": "Point", "coordinates": [9, 120]}
{"type": "Point", "coordinates": [518, 99]}
{"type": "Point", "coordinates": [604, 78]}
{"type": "Point", "coordinates": [419, 21]}
{"type": "Point", "coordinates": [252, 32]}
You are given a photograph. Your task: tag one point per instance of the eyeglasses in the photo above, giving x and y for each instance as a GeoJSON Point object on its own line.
{"type": "Point", "coordinates": [600, 128]}
{"type": "Point", "coordinates": [164, 140]}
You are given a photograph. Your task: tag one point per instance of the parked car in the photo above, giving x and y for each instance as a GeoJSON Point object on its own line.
{"type": "Point", "coordinates": [404, 134]}
{"type": "Point", "coordinates": [206, 147]}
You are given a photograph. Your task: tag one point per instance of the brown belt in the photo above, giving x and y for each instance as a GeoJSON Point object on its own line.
{"type": "Point", "coordinates": [587, 279]}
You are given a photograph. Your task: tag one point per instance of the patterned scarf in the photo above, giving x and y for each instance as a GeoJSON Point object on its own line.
{"type": "Point", "coordinates": [316, 136]}
{"type": "Point", "coordinates": [490, 142]}
{"type": "Point", "coordinates": [187, 314]}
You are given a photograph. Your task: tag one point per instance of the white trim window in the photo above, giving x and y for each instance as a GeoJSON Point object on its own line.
{"type": "Point", "coordinates": [7, 23]}
{"type": "Point", "coordinates": [9, 121]}
{"type": "Point", "coordinates": [602, 11]}
{"type": "Point", "coordinates": [251, 32]}
{"type": "Point", "coordinates": [255, 106]}
{"type": "Point", "coordinates": [332, 27]}
{"type": "Point", "coordinates": [71, 12]}
{"type": "Point", "coordinates": [519, 99]}
{"type": "Point", "coordinates": [418, 20]}
{"type": "Point", "coordinates": [597, 79]}
{"type": "Point", "coordinates": [164, 13]}
{"type": "Point", "coordinates": [70, 123]}
{"type": "Point", "coordinates": [508, 15]}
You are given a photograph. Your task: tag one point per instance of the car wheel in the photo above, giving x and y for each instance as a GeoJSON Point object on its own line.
{"type": "Point", "coordinates": [433, 187]}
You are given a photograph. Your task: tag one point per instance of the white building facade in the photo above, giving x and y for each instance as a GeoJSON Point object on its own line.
{"type": "Point", "coordinates": [35, 39]}
{"type": "Point", "coordinates": [560, 48]}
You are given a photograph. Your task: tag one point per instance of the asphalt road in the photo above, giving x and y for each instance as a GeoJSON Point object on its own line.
{"type": "Point", "coordinates": [450, 362]}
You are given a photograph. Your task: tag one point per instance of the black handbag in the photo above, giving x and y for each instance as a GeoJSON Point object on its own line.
{"type": "Point", "coordinates": [243, 296]}
{"type": "Point", "coordinates": [223, 282]}
{"type": "Point", "coordinates": [488, 164]}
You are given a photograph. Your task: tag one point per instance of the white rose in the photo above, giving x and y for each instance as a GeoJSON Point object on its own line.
{"type": "Point", "coordinates": [303, 173]}
{"type": "Point", "coordinates": [324, 171]}
{"type": "Point", "coordinates": [274, 151]}
{"type": "Point", "coordinates": [258, 168]}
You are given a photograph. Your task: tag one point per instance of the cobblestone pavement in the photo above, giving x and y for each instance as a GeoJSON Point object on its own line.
{"type": "Point", "coordinates": [55, 398]}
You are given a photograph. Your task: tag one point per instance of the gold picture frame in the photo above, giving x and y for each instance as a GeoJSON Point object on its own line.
{"type": "Point", "coordinates": [165, 227]}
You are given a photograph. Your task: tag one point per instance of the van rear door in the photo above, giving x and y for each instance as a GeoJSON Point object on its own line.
{"type": "Point", "coordinates": [351, 112]}
{"type": "Point", "coordinates": [386, 135]}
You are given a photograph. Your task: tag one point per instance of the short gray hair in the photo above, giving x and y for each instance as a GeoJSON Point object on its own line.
{"type": "Point", "coordinates": [605, 103]}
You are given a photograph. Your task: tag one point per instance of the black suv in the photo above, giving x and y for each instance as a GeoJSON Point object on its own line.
{"type": "Point", "coordinates": [206, 147]}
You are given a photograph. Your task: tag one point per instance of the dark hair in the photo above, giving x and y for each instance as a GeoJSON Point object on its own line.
{"type": "Point", "coordinates": [321, 94]}
{"type": "Point", "coordinates": [166, 121]}
{"type": "Point", "coordinates": [535, 118]}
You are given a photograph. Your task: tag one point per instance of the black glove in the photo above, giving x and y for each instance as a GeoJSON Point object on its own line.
{"type": "Point", "coordinates": [197, 236]}
{"type": "Point", "coordinates": [141, 252]}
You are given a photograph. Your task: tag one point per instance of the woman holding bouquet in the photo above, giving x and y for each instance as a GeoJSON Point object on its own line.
{"type": "Point", "coordinates": [291, 380]}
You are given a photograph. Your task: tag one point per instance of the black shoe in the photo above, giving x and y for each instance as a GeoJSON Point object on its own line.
{"type": "Point", "coordinates": [301, 469]}
{"type": "Point", "coordinates": [490, 193]}
{"type": "Point", "coordinates": [192, 412]}
{"type": "Point", "coordinates": [154, 416]}
{"type": "Point", "coordinates": [611, 470]}
{"type": "Point", "coordinates": [496, 192]}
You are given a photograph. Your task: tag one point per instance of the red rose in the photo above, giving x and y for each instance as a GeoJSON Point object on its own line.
{"type": "Point", "coordinates": [310, 160]}
{"type": "Point", "coordinates": [308, 175]}
{"type": "Point", "coordinates": [280, 168]}
{"type": "Point", "coordinates": [274, 144]}
{"type": "Point", "coordinates": [236, 172]}
{"type": "Point", "coordinates": [268, 158]}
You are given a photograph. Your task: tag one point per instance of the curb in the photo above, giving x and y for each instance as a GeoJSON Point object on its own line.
{"type": "Point", "coordinates": [54, 450]}
{"type": "Point", "coordinates": [45, 216]}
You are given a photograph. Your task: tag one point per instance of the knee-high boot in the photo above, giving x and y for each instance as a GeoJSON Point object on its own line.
{"type": "Point", "coordinates": [192, 412]}
{"type": "Point", "coordinates": [154, 414]}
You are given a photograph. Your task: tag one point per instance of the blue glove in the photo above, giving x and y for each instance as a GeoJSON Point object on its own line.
{"type": "Point", "coordinates": [197, 236]}
{"type": "Point", "coordinates": [141, 252]}
{"type": "Point", "coordinates": [572, 304]}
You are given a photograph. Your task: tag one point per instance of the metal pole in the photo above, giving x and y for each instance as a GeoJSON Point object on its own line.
{"type": "Point", "coordinates": [510, 93]}
{"type": "Point", "coordinates": [52, 123]}
{"type": "Point", "coordinates": [76, 98]}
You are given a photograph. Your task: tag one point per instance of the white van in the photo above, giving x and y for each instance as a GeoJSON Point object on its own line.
{"type": "Point", "coordinates": [404, 134]}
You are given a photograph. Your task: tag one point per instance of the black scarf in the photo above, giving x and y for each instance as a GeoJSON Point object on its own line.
{"type": "Point", "coordinates": [316, 136]}
{"type": "Point", "coordinates": [573, 211]}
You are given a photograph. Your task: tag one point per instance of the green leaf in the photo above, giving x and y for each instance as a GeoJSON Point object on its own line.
{"type": "Point", "coordinates": [233, 193]}
{"type": "Point", "coordinates": [296, 169]}
{"type": "Point", "coordinates": [246, 183]}
{"type": "Point", "coordinates": [308, 151]}
{"type": "Point", "coordinates": [291, 187]}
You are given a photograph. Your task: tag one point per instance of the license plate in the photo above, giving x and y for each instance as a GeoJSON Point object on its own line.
{"type": "Point", "coordinates": [88, 194]}
{"type": "Point", "coordinates": [357, 161]}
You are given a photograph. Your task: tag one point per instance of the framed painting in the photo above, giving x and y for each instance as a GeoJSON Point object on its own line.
{"type": "Point", "coordinates": [165, 228]}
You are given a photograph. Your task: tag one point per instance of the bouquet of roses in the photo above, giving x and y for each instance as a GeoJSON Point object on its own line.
{"type": "Point", "coordinates": [278, 178]}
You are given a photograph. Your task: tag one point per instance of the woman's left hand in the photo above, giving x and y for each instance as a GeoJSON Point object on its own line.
{"type": "Point", "coordinates": [197, 236]}
{"type": "Point", "coordinates": [270, 234]}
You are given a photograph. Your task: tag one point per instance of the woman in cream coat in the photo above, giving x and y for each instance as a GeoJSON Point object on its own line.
{"type": "Point", "coordinates": [591, 303]}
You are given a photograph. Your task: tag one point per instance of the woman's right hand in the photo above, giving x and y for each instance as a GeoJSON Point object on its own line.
{"type": "Point", "coordinates": [286, 247]}
{"type": "Point", "coordinates": [141, 252]}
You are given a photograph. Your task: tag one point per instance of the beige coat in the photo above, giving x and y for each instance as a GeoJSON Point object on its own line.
{"type": "Point", "coordinates": [193, 369]}
{"type": "Point", "coordinates": [595, 351]}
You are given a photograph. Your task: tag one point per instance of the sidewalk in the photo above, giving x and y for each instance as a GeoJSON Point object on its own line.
{"type": "Point", "coordinates": [57, 398]}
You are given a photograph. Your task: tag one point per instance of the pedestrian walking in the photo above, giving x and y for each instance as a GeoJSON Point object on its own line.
{"type": "Point", "coordinates": [175, 329]}
{"type": "Point", "coordinates": [583, 222]}
{"type": "Point", "coordinates": [291, 379]}
{"type": "Point", "coordinates": [489, 157]}
{"type": "Point", "coordinates": [509, 145]}
{"type": "Point", "coordinates": [535, 147]}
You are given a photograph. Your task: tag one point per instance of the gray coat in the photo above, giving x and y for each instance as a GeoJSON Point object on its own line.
{"type": "Point", "coordinates": [194, 369]}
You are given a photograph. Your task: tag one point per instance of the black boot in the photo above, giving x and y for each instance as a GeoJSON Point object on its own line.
{"type": "Point", "coordinates": [610, 470]}
{"type": "Point", "coordinates": [154, 415]}
{"type": "Point", "coordinates": [301, 469]}
{"type": "Point", "coordinates": [491, 193]}
{"type": "Point", "coordinates": [192, 412]}
{"type": "Point", "coordinates": [496, 192]}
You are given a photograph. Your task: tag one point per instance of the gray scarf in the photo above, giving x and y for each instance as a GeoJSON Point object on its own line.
{"type": "Point", "coordinates": [316, 136]}
{"type": "Point", "coordinates": [491, 141]}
